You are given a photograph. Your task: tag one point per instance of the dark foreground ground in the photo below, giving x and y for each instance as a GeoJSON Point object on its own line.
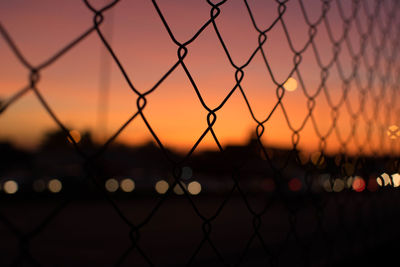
{"type": "Point", "coordinates": [346, 229]}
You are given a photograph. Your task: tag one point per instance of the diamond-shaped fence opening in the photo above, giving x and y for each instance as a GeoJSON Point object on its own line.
{"type": "Point", "coordinates": [170, 176]}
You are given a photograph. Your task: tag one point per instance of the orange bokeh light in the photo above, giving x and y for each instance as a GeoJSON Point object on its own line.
{"type": "Point", "coordinates": [358, 184]}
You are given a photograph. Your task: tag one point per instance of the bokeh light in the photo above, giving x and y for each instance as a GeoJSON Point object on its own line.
{"type": "Point", "coordinates": [194, 188]}
{"type": "Point", "coordinates": [10, 187]}
{"type": "Point", "coordinates": [187, 173]}
{"type": "Point", "coordinates": [55, 185]}
{"type": "Point", "coordinates": [112, 185]}
{"type": "Point", "coordinates": [338, 185]}
{"type": "Point", "coordinates": [295, 185]}
{"type": "Point", "coordinates": [161, 187]}
{"type": "Point", "coordinates": [76, 136]}
{"type": "Point", "coordinates": [396, 179]}
{"type": "Point", "coordinates": [393, 131]}
{"type": "Point", "coordinates": [127, 185]}
{"type": "Point", "coordinates": [178, 189]}
{"type": "Point", "coordinates": [349, 182]}
{"type": "Point", "coordinates": [290, 85]}
{"type": "Point", "coordinates": [358, 184]}
{"type": "Point", "coordinates": [383, 179]}
{"type": "Point", "coordinates": [372, 185]}
{"type": "Point", "coordinates": [326, 184]}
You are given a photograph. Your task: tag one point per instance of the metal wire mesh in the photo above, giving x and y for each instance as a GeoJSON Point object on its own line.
{"type": "Point", "coordinates": [319, 228]}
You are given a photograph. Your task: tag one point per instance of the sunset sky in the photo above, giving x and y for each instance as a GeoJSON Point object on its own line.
{"type": "Point", "coordinates": [71, 85]}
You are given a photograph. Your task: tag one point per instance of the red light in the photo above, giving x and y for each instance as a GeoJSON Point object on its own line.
{"type": "Point", "coordinates": [358, 184]}
{"type": "Point", "coordinates": [295, 185]}
{"type": "Point", "coordinates": [372, 185]}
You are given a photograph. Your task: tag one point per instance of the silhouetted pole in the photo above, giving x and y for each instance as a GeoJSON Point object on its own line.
{"type": "Point", "coordinates": [104, 80]}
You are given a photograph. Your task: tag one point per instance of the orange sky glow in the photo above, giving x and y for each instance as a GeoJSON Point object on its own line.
{"type": "Point", "coordinates": [142, 44]}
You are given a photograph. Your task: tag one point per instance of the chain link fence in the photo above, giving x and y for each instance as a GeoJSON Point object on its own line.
{"type": "Point", "coordinates": [252, 204]}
